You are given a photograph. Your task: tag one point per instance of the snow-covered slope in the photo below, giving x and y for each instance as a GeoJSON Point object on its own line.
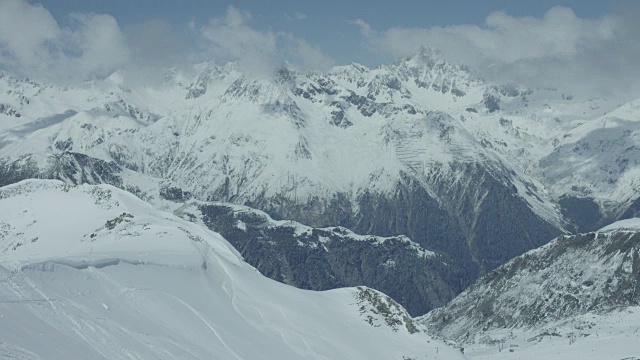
{"type": "Point", "coordinates": [599, 160]}
{"type": "Point", "coordinates": [582, 289]}
{"type": "Point", "coordinates": [94, 272]}
{"type": "Point", "coordinates": [588, 337]}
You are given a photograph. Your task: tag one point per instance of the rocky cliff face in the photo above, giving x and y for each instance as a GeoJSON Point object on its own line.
{"type": "Point", "coordinates": [328, 258]}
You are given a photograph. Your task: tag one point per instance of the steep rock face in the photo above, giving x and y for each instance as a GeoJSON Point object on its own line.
{"type": "Point", "coordinates": [584, 214]}
{"type": "Point", "coordinates": [497, 224]}
{"type": "Point", "coordinates": [74, 168]}
{"type": "Point", "coordinates": [474, 215]}
{"type": "Point", "coordinates": [327, 258]}
{"type": "Point", "coordinates": [632, 211]}
{"type": "Point", "coordinates": [596, 272]}
{"type": "Point", "coordinates": [407, 210]}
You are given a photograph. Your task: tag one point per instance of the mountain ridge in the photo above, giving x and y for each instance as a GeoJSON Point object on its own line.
{"type": "Point", "coordinates": [421, 148]}
{"type": "Point", "coordinates": [560, 284]}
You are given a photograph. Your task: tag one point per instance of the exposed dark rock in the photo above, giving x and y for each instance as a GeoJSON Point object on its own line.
{"type": "Point", "coordinates": [326, 258]}
{"type": "Point", "coordinates": [71, 167]}
{"type": "Point", "coordinates": [632, 211]}
{"type": "Point", "coordinates": [8, 110]}
{"type": "Point", "coordinates": [505, 122]}
{"type": "Point", "coordinates": [366, 106]}
{"type": "Point", "coordinates": [491, 102]}
{"type": "Point", "coordinates": [374, 304]}
{"type": "Point", "coordinates": [583, 213]}
{"type": "Point", "coordinates": [176, 194]}
{"type": "Point", "coordinates": [124, 217]}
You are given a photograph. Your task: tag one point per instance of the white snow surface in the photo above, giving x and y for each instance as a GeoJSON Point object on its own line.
{"type": "Point", "coordinates": [614, 336]}
{"type": "Point", "coordinates": [627, 224]}
{"type": "Point", "coordinates": [93, 272]}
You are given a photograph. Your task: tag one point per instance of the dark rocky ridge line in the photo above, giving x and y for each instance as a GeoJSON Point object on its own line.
{"type": "Point", "coordinates": [71, 167]}
{"type": "Point", "coordinates": [479, 221]}
{"type": "Point", "coordinates": [328, 258]}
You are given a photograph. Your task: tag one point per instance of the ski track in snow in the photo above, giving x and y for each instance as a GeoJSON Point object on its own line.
{"type": "Point", "coordinates": [213, 330]}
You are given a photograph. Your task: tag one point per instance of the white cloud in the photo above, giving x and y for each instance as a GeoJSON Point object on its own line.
{"type": "Point", "coordinates": [258, 52]}
{"type": "Point", "coordinates": [233, 39]}
{"type": "Point", "coordinates": [32, 42]}
{"type": "Point", "coordinates": [98, 46]}
{"type": "Point", "coordinates": [311, 56]}
{"type": "Point", "coordinates": [508, 39]}
{"type": "Point", "coordinates": [25, 33]}
{"type": "Point", "coordinates": [86, 46]}
{"type": "Point", "coordinates": [558, 49]}
{"type": "Point", "coordinates": [365, 28]}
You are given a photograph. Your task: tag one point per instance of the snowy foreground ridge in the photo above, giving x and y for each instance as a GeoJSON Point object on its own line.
{"type": "Point", "coordinates": [93, 272]}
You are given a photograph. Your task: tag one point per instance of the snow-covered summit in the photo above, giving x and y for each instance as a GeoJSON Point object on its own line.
{"type": "Point", "coordinates": [44, 219]}
{"type": "Point", "coordinates": [627, 224]}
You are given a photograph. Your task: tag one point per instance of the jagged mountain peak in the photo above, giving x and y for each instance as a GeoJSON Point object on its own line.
{"type": "Point", "coordinates": [210, 73]}
{"type": "Point", "coordinates": [117, 78]}
{"type": "Point", "coordinates": [427, 55]}
{"type": "Point", "coordinates": [256, 90]}
{"type": "Point", "coordinates": [353, 68]}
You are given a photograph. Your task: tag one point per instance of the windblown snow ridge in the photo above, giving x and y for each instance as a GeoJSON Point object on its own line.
{"type": "Point", "coordinates": [94, 272]}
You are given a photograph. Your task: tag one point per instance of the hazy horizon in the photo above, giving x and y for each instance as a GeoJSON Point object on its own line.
{"type": "Point", "coordinates": [582, 46]}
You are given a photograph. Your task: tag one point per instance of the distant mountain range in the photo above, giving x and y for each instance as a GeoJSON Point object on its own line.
{"type": "Point", "coordinates": [422, 152]}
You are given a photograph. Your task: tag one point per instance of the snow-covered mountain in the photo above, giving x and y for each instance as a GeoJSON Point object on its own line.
{"type": "Point", "coordinates": [595, 168]}
{"type": "Point", "coordinates": [475, 171]}
{"type": "Point", "coordinates": [582, 289]}
{"type": "Point", "coordinates": [93, 272]}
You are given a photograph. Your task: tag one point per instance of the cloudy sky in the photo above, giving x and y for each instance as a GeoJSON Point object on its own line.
{"type": "Point", "coordinates": [583, 45]}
